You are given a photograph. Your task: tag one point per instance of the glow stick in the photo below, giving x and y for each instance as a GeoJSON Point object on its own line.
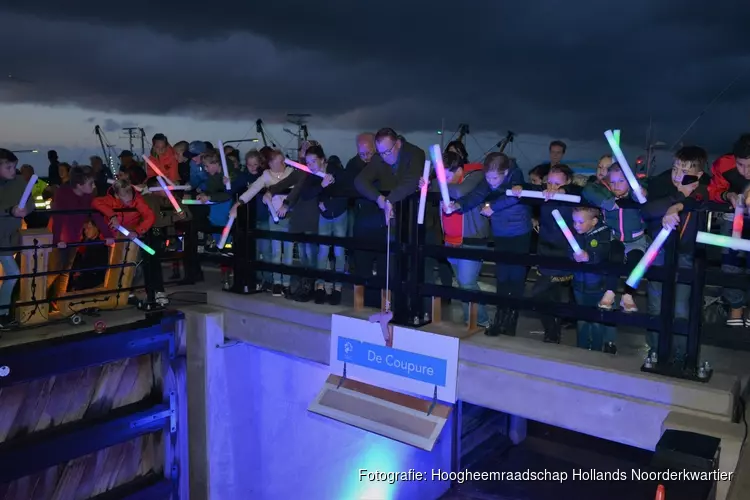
{"type": "Point", "coordinates": [739, 219]}
{"type": "Point", "coordinates": [566, 232]}
{"type": "Point", "coordinates": [539, 195]}
{"type": "Point", "coordinates": [648, 258]}
{"type": "Point", "coordinates": [171, 188]}
{"type": "Point", "coordinates": [617, 152]}
{"type": "Point", "coordinates": [27, 192]}
{"type": "Point", "coordinates": [224, 165]}
{"type": "Point", "coordinates": [272, 210]}
{"type": "Point", "coordinates": [156, 169]}
{"type": "Point", "coordinates": [722, 241]}
{"type": "Point", "coordinates": [423, 193]}
{"type": "Point", "coordinates": [197, 202]}
{"type": "Point", "coordinates": [225, 232]}
{"type": "Point", "coordinates": [302, 167]}
{"type": "Point", "coordinates": [437, 159]}
{"type": "Point", "coordinates": [164, 187]}
{"type": "Point", "coordinates": [137, 241]}
{"type": "Point", "coordinates": [110, 181]}
{"type": "Point", "coordinates": [616, 135]}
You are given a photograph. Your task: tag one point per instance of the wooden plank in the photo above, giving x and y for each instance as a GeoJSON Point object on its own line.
{"type": "Point", "coordinates": [34, 288]}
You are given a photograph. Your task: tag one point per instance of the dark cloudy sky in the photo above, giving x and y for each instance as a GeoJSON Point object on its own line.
{"type": "Point", "coordinates": [546, 67]}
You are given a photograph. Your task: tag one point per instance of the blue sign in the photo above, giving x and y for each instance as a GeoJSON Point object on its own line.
{"type": "Point", "coordinates": [394, 361]}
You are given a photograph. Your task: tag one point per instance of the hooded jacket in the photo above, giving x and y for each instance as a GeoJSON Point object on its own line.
{"type": "Point", "coordinates": [459, 228]}
{"type": "Point", "coordinates": [10, 195]}
{"type": "Point", "coordinates": [167, 163]}
{"type": "Point", "coordinates": [139, 221]}
{"type": "Point", "coordinates": [626, 223]}
{"type": "Point", "coordinates": [725, 178]}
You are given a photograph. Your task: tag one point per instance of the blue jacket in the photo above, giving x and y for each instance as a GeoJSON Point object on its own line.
{"type": "Point", "coordinates": [509, 217]}
{"type": "Point", "coordinates": [596, 243]}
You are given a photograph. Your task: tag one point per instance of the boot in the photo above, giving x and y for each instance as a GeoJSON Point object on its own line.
{"type": "Point", "coordinates": [498, 324]}
{"type": "Point", "coordinates": [305, 290]}
{"type": "Point", "coordinates": [552, 329]}
{"type": "Point", "coordinates": [511, 322]}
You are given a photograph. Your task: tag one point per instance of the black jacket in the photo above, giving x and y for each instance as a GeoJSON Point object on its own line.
{"type": "Point", "coordinates": [401, 181]}
{"type": "Point", "coordinates": [596, 243]}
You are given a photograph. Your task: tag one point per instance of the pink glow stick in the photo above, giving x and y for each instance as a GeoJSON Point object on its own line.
{"type": "Point", "coordinates": [171, 197]}
{"type": "Point", "coordinates": [171, 188]}
{"type": "Point", "coordinates": [739, 219]}
{"type": "Point", "coordinates": [423, 192]}
{"type": "Point", "coordinates": [437, 159]}
{"type": "Point", "coordinates": [156, 169]}
{"type": "Point", "coordinates": [302, 167]}
{"type": "Point", "coordinates": [225, 233]}
{"type": "Point", "coordinates": [224, 165]}
{"type": "Point", "coordinates": [566, 232]}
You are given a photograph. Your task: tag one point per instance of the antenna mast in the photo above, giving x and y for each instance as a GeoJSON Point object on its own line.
{"type": "Point", "coordinates": [300, 120]}
{"type": "Point", "coordinates": [133, 134]}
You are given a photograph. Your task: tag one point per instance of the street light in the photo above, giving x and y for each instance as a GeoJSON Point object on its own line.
{"type": "Point", "coordinates": [25, 151]}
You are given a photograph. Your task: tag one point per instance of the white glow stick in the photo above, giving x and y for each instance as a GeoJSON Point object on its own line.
{"type": "Point", "coordinates": [27, 192]}
{"type": "Point", "coordinates": [225, 232]}
{"type": "Point", "coordinates": [110, 181]}
{"type": "Point", "coordinates": [539, 195]}
{"type": "Point", "coordinates": [722, 241]}
{"type": "Point", "coordinates": [437, 159]}
{"type": "Point", "coordinates": [171, 188]}
{"type": "Point", "coordinates": [224, 167]}
{"type": "Point", "coordinates": [302, 167]}
{"type": "Point", "coordinates": [172, 200]}
{"type": "Point", "coordinates": [156, 169]}
{"type": "Point", "coordinates": [423, 193]}
{"type": "Point", "coordinates": [617, 152]}
{"type": "Point", "coordinates": [197, 202]}
{"type": "Point", "coordinates": [137, 241]}
{"type": "Point", "coordinates": [648, 258]}
{"type": "Point", "coordinates": [566, 232]}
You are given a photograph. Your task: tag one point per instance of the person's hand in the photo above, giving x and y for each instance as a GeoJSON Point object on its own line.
{"type": "Point", "coordinates": [381, 201]}
{"type": "Point", "coordinates": [448, 209]}
{"type": "Point", "coordinates": [267, 198]}
{"type": "Point", "coordinates": [389, 213]}
{"type": "Point", "coordinates": [487, 210]}
{"type": "Point", "coordinates": [322, 206]}
{"type": "Point", "coordinates": [227, 180]}
{"type": "Point", "coordinates": [733, 199]}
{"type": "Point", "coordinates": [535, 224]}
{"type": "Point", "coordinates": [203, 198]}
{"type": "Point", "coordinates": [516, 191]}
{"type": "Point", "coordinates": [550, 192]}
{"type": "Point", "coordinates": [283, 209]}
{"type": "Point", "coordinates": [62, 244]}
{"type": "Point", "coordinates": [19, 212]}
{"type": "Point", "coordinates": [110, 242]}
{"type": "Point", "coordinates": [422, 183]}
{"type": "Point", "coordinates": [113, 222]}
{"type": "Point", "coordinates": [181, 215]}
{"type": "Point", "coordinates": [327, 180]}
{"type": "Point", "coordinates": [233, 210]}
{"type": "Point", "coordinates": [581, 256]}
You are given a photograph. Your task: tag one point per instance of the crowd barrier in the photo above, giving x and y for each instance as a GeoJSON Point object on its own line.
{"type": "Point", "coordinates": [408, 289]}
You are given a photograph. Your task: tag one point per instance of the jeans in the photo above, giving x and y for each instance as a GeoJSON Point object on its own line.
{"type": "Point", "coordinates": [467, 274]}
{"type": "Point", "coordinates": [10, 268]}
{"type": "Point", "coordinates": [681, 303]}
{"type": "Point", "coordinates": [276, 251]}
{"type": "Point", "coordinates": [592, 335]}
{"type": "Point", "coordinates": [332, 227]}
{"type": "Point", "coordinates": [308, 253]}
{"type": "Point", "coordinates": [218, 215]}
{"type": "Point", "coordinates": [734, 262]}
{"type": "Point", "coordinates": [263, 252]}
{"type": "Point", "coordinates": [511, 279]}
{"type": "Point", "coordinates": [60, 259]}
{"type": "Point", "coordinates": [152, 272]}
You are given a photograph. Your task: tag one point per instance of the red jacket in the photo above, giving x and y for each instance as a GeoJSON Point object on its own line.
{"type": "Point", "coordinates": [725, 179]}
{"type": "Point", "coordinates": [167, 163]}
{"type": "Point", "coordinates": [453, 224]}
{"type": "Point", "coordinates": [139, 221]}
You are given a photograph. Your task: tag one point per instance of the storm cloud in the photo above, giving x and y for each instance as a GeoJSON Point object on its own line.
{"type": "Point", "coordinates": [539, 67]}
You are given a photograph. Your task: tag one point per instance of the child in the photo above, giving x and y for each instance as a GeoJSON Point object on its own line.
{"type": "Point", "coordinates": [213, 189]}
{"type": "Point", "coordinates": [602, 169]}
{"type": "Point", "coordinates": [122, 195]}
{"type": "Point", "coordinates": [89, 257]}
{"type": "Point", "coordinates": [164, 217]}
{"type": "Point", "coordinates": [730, 179]}
{"type": "Point", "coordinates": [627, 227]}
{"type": "Point", "coordinates": [510, 223]}
{"type": "Point", "coordinates": [594, 238]}
{"type": "Point", "coordinates": [164, 157]}
{"type": "Point", "coordinates": [552, 243]}
{"type": "Point", "coordinates": [68, 228]}
{"type": "Point", "coordinates": [459, 229]}
{"type": "Point", "coordinates": [254, 166]}
{"type": "Point", "coordinates": [276, 172]}
{"type": "Point", "coordinates": [12, 187]}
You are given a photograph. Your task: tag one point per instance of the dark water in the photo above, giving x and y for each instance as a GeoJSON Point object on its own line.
{"type": "Point", "coordinates": [559, 451]}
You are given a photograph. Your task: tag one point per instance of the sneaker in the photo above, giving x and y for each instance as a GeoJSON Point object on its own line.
{"type": "Point", "coordinates": [162, 299]}
{"type": "Point", "coordinates": [7, 322]}
{"type": "Point", "coordinates": [610, 348]}
{"type": "Point", "coordinates": [267, 287]}
{"type": "Point", "coordinates": [607, 301]}
{"type": "Point", "coordinates": [320, 296]}
{"type": "Point", "coordinates": [628, 304]}
{"type": "Point", "coordinates": [287, 293]}
{"type": "Point", "coordinates": [277, 290]}
{"type": "Point", "coordinates": [736, 322]}
{"type": "Point", "coordinates": [335, 298]}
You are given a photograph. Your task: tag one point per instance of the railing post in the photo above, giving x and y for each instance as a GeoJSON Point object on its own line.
{"type": "Point", "coordinates": [190, 262]}
{"type": "Point", "coordinates": [243, 282]}
{"type": "Point", "coordinates": [408, 274]}
{"type": "Point", "coordinates": [695, 316]}
{"type": "Point", "coordinates": [664, 344]}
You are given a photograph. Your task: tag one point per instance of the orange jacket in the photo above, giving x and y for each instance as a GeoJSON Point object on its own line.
{"type": "Point", "coordinates": [139, 221]}
{"type": "Point", "coordinates": [167, 163]}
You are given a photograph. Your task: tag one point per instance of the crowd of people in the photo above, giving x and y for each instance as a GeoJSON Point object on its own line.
{"type": "Point", "coordinates": [356, 199]}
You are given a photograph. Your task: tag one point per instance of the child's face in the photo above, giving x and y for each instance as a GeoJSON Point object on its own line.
{"type": "Point", "coordinates": [277, 163]}
{"type": "Point", "coordinates": [603, 167]}
{"type": "Point", "coordinates": [536, 180]}
{"type": "Point", "coordinates": [253, 164]}
{"type": "Point", "coordinates": [680, 169]}
{"type": "Point", "coordinates": [212, 167]}
{"type": "Point", "coordinates": [126, 196]}
{"type": "Point", "coordinates": [315, 164]}
{"type": "Point", "coordinates": [618, 184]}
{"type": "Point", "coordinates": [583, 222]}
{"type": "Point", "coordinates": [495, 178]}
{"type": "Point", "coordinates": [160, 147]}
{"type": "Point", "coordinates": [556, 180]}
{"type": "Point", "coordinates": [87, 187]}
{"type": "Point", "coordinates": [743, 166]}
{"type": "Point", "coordinates": [90, 231]}
{"type": "Point", "coordinates": [7, 169]}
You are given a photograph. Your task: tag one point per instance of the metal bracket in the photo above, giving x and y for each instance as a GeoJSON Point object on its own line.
{"type": "Point", "coordinates": [173, 409]}
{"type": "Point", "coordinates": [343, 377]}
{"type": "Point", "coordinates": [434, 402]}
{"type": "Point", "coordinates": [143, 422]}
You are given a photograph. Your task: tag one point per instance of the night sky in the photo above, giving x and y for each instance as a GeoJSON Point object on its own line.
{"type": "Point", "coordinates": [539, 67]}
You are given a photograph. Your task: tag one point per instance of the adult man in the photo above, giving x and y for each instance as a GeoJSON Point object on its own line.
{"type": "Point", "coordinates": [101, 174]}
{"type": "Point", "coordinates": [131, 168]}
{"type": "Point", "coordinates": [53, 175]}
{"type": "Point", "coordinates": [396, 168]}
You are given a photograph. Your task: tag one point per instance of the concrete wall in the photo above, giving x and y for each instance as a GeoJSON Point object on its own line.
{"type": "Point", "coordinates": [260, 442]}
